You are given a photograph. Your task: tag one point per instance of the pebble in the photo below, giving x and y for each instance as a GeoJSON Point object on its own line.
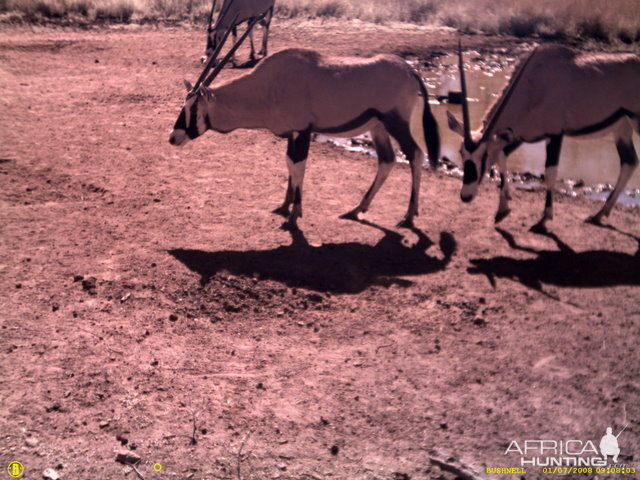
{"type": "Point", "coordinates": [127, 458]}
{"type": "Point", "coordinates": [31, 442]}
{"type": "Point", "coordinates": [50, 474]}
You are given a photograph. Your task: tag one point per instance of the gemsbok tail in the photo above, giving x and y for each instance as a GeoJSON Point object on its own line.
{"type": "Point", "coordinates": [424, 128]}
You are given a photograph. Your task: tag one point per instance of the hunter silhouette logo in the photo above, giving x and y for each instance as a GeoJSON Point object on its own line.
{"type": "Point", "coordinates": [609, 444]}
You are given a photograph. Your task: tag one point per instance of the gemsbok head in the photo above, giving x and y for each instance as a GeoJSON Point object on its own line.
{"type": "Point", "coordinates": [555, 91]}
{"type": "Point", "coordinates": [297, 92]}
{"type": "Point", "coordinates": [233, 13]}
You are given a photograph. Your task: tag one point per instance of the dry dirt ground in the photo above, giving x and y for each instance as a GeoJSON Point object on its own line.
{"type": "Point", "coordinates": [151, 303]}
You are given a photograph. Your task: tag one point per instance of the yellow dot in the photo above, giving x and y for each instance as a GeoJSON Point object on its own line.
{"type": "Point", "coordinates": [15, 469]}
{"type": "Point", "coordinates": [157, 467]}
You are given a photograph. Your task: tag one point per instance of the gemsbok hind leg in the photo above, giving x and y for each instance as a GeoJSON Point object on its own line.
{"type": "Point", "coordinates": [265, 32]}
{"type": "Point", "coordinates": [297, 152]}
{"type": "Point", "coordinates": [628, 163]}
{"type": "Point", "coordinates": [386, 160]}
{"type": "Point", "coordinates": [550, 175]}
{"type": "Point", "coordinates": [402, 133]}
{"type": "Point", "coordinates": [252, 54]}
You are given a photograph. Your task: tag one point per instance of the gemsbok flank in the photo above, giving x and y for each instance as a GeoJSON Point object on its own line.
{"type": "Point", "coordinates": [297, 92]}
{"type": "Point", "coordinates": [555, 91]}
{"type": "Point", "coordinates": [232, 14]}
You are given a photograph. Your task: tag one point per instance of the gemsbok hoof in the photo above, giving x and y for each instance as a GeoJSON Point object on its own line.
{"type": "Point", "coordinates": [281, 210]}
{"type": "Point", "coordinates": [500, 215]}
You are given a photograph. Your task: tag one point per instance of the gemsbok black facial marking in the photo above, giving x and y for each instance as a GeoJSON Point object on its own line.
{"type": "Point", "coordinates": [470, 174]}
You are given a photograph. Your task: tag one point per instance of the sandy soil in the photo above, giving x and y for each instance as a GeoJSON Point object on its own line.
{"type": "Point", "coordinates": [151, 303]}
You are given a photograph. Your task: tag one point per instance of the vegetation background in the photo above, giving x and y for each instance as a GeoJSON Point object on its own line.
{"type": "Point", "coordinates": [613, 21]}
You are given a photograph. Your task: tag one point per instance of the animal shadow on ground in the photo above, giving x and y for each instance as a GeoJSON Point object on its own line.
{"type": "Point", "coordinates": [563, 267]}
{"type": "Point", "coordinates": [247, 64]}
{"type": "Point", "coordinates": [340, 268]}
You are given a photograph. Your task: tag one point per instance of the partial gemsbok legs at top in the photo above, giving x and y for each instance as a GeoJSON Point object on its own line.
{"type": "Point", "coordinates": [233, 13]}
{"type": "Point", "coordinates": [296, 92]}
{"type": "Point", "coordinates": [555, 91]}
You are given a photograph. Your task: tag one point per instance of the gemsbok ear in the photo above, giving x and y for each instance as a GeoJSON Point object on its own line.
{"type": "Point", "coordinates": [454, 124]}
{"type": "Point", "coordinates": [188, 85]}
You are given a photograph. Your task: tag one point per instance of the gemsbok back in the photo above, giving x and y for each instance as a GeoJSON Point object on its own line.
{"type": "Point", "coordinates": [233, 13]}
{"type": "Point", "coordinates": [297, 92]}
{"type": "Point", "coordinates": [555, 91]}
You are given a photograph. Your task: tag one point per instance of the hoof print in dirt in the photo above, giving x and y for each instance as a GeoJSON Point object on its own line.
{"type": "Point", "coordinates": [89, 285]}
{"type": "Point", "coordinates": [400, 476]}
{"type": "Point", "coordinates": [56, 407]}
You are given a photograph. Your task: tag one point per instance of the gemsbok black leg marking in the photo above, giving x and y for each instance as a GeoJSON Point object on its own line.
{"type": "Point", "coordinates": [297, 152]}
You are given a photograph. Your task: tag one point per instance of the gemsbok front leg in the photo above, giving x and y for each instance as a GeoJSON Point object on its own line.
{"type": "Point", "coordinates": [505, 196]}
{"type": "Point", "coordinates": [628, 163]}
{"type": "Point", "coordinates": [297, 152]}
{"type": "Point", "coordinates": [554, 144]}
{"type": "Point", "coordinates": [288, 200]}
{"type": "Point", "coordinates": [386, 160]}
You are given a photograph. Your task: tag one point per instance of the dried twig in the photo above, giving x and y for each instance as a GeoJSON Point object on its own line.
{"type": "Point", "coordinates": [380, 347]}
{"type": "Point", "coordinates": [136, 470]}
{"type": "Point", "coordinates": [455, 466]}
{"type": "Point", "coordinates": [193, 436]}
{"type": "Point", "coordinates": [242, 442]}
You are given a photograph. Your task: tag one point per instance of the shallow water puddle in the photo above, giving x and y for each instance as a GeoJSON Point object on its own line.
{"type": "Point", "coordinates": [587, 166]}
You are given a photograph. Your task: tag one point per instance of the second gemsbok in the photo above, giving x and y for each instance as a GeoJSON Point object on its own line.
{"type": "Point", "coordinates": [555, 91]}
{"type": "Point", "coordinates": [233, 13]}
{"type": "Point", "coordinates": [297, 92]}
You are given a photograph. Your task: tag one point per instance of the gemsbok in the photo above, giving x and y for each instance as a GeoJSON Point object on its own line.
{"type": "Point", "coordinates": [233, 13]}
{"type": "Point", "coordinates": [555, 91]}
{"type": "Point", "coordinates": [297, 92]}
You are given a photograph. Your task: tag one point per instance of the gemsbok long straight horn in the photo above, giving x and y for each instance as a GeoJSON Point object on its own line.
{"type": "Point", "coordinates": [555, 91]}
{"type": "Point", "coordinates": [297, 92]}
{"type": "Point", "coordinates": [465, 101]}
